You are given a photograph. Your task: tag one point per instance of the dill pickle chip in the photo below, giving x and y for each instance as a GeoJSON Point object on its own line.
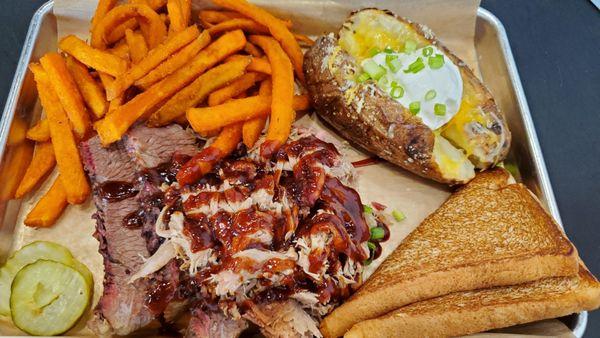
{"type": "Point", "coordinates": [27, 255]}
{"type": "Point", "coordinates": [48, 298]}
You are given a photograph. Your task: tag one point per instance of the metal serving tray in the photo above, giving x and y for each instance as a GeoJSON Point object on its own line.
{"type": "Point", "coordinates": [496, 65]}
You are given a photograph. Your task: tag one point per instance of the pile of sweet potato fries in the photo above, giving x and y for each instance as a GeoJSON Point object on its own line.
{"type": "Point", "coordinates": [148, 61]}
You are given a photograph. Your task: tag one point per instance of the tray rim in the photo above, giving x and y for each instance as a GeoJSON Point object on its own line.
{"type": "Point", "coordinates": [532, 139]}
{"type": "Point", "coordinates": [482, 13]}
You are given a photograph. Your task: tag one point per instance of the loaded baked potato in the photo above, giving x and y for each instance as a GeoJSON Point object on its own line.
{"type": "Point", "coordinates": [389, 86]}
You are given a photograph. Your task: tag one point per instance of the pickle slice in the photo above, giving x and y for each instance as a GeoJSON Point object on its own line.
{"type": "Point", "coordinates": [48, 298]}
{"type": "Point", "coordinates": [29, 254]}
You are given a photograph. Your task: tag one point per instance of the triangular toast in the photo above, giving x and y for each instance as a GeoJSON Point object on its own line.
{"type": "Point", "coordinates": [491, 232]}
{"type": "Point", "coordinates": [463, 313]}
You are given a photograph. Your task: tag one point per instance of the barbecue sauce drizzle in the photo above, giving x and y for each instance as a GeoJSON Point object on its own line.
{"type": "Point", "coordinates": [308, 187]}
{"type": "Point", "coordinates": [114, 191]}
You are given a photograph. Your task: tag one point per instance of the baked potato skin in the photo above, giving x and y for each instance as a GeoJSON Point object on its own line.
{"type": "Point", "coordinates": [367, 116]}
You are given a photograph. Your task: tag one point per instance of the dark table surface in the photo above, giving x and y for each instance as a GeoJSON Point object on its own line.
{"type": "Point", "coordinates": [556, 44]}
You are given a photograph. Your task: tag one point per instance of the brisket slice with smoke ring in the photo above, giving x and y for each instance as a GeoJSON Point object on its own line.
{"type": "Point", "coordinates": [153, 151]}
{"type": "Point", "coordinates": [158, 153]}
{"type": "Point", "coordinates": [121, 308]}
{"type": "Point", "coordinates": [126, 185]}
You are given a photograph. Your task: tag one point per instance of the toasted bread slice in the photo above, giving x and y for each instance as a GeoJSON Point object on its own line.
{"type": "Point", "coordinates": [489, 233]}
{"type": "Point", "coordinates": [463, 313]}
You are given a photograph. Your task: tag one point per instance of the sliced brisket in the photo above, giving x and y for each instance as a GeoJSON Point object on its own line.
{"type": "Point", "coordinates": [151, 147]}
{"type": "Point", "coordinates": [157, 153]}
{"type": "Point", "coordinates": [126, 178]}
{"type": "Point", "coordinates": [121, 308]}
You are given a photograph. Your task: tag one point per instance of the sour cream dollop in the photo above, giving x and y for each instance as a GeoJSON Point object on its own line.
{"type": "Point", "coordinates": [443, 83]}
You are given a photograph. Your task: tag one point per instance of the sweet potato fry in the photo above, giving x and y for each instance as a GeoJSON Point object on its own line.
{"type": "Point", "coordinates": [114, 35]}
{"type": "Point", "coordinates": [176, 16]}
{"type": "Point", "coordinates": [154, 4]}
{"type": "Point", "coordinates": [105, 79]}
{"type": "Point", "coordinates": [276, 27]}
{"type": "Point", "coordinates": [121, 49]}
{"type": "Point", "coordinates": [115, 125]}
{"type": "Point", "coordinates": [203, 162]}
{"type": "Point", "coordinates": [99, 60]}
{"type": "Point", "coordinates": [92, 92]}
{"type": "Point", "coordinates": [234, 89]}
{"type": "Point", "coordinates": [266, 87]}
{"type": "Point", "coordinates": [209, 17]}
{"type": "Point", "coordinates": [247, 25]}
{"type": "Point", "coordinates": [176, 61]}
{"type": "Point", "coordinates": [186, 10]}
{"type": "Point", "coordinates": [104, 6]}
{"type": "Point", "coordinates": [151, 25]}
{"type": "Point", "coordinates": [282, 112]}
{"type": "Point", "coordinates": [301, 102]}
{"type": "Point", "coordinates": [304, 40]}
{"type": "Point", "coordinates": [40, 132]}
{"type": "Point", "coordinates": [41, 164]}
{"type": "Point", "coordinates": [212, 17]}
{"type": "Point", "coordinates": [15, 162]}
{"type": "Point", "coordinates": [49, 208]}
{"type": "Point", "coordinates": [205, 119]}
{"type": "Point", "coordinates": [253, 50]}
{"type": "Point", "coordinates": [153, 59]}
{"type": "Point", "coordinates": [18, 131]}
{"type": "Point", "coordinates": [198, 90]}
{"type": "Point", "coordinates": [115, 103]}
{"type": "Point", "coordinates": [118, 32]}
{"type": "Point", "coordinates": [233, 111]}
{"type": "Point", "coordinates": [62, 81]}
{"type": "Point", "coordinates": [258, 65]}
{"type": "Point", "coordinates": [252, 129]}
{"type": "Point", "coordinates": [137, 45]}
{"type": "Point", "coordinates": [65, 148]}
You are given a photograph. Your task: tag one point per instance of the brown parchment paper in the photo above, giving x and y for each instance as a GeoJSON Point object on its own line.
{"type": "Point", "coordinates": [453, 22]}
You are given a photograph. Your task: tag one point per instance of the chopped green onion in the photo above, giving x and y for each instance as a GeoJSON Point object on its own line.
{"type": "Point", "coordinates": [439, 109]}
{"type": "Point", "coordinates": [388, 50]}
{"type": "Point", "coordinates": [414, 107]}
{"type": "Point", "coordinates": [390, 57]}
{"type": "Point", "coordinates": [367, 209]}
{"type": "Point", "coordinates": [374, 51]}
{"type": "Point", "coordinates": [436, 62]}
{"type": "Point", "coordinates": [410, 46]}
{"type": "Point", "coordinates": [375, 71]}
{"type": "Point", "coordinates": [362, 77]}
{"type": "Point", "coordinates": [415, 67]}
{"type": "Point", "coordinates": [383, 81]}
{"type": "Point", "coordinates": [398, 215]}
{"type": "Point", "coordinates": [397, 92]}
{"type": "Point", "coordinates": [513, 169]}
{"type": "Point", "coordinates": [427, 51]}
{"type": "Point", "coordinates": [394, 65]}
{"type": "Point", "coordinates": [377, 233]}
{"type": "Point", "coordinates": [395, 84]}
{"type": "Point", "coordinates": [430, 95]}
{"type": "Point", "coordinates": [372, 246]}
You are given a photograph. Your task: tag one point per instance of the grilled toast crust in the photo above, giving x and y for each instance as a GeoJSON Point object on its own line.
{"type": "Point", "coordinates": [469, 312]}
{"type": "Point", "coordinates": [488, 233]}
